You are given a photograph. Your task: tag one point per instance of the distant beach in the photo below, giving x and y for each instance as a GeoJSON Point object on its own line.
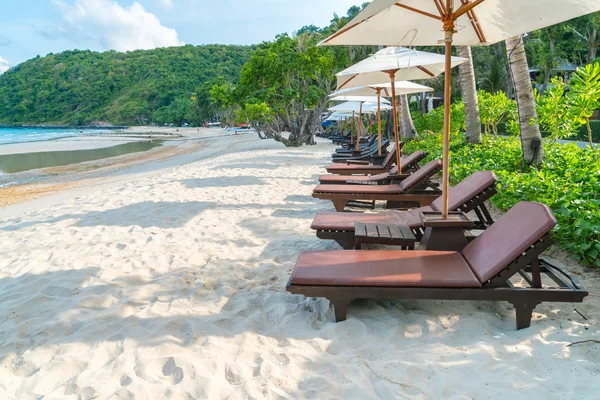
{"type": "Point", "coordinates": [35, 162]}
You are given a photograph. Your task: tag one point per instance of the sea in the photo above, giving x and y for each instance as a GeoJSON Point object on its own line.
{"type": "Point", "coordinates": [21, 135]}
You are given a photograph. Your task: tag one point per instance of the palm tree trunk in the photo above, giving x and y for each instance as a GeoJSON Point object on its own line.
{"type": "Point", "coordinates": [531, 138]}
{"type": "Point", "coordinates": [407, 125]}
{"type": "Point", "coordinates": [469, 94]}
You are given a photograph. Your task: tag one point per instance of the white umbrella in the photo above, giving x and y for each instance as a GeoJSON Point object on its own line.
{"type": "Point", "coordinates": [463, 22]}
{"type": "Point", "coordinates": [355, 106]}
{"type": "Point", "coordinates": [402, 87]}
{"type": "Point", "coordinates": [409, 64]}
{"type": "Point", "coordinates": [359, 107]}
{"type": "Point", "coordinates": [394, 64]}
{"type": "Point", "coordinates": [364, 99]}
{"type": "Point", "coordinates": [385, 89]}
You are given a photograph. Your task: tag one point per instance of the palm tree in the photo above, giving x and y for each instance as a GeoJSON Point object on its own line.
{"type": "Point", "coordinates": [531, 138]}
{"type": "Point", "coordinates": [469, 94]}
{"type": "Point", "coordinates": [406, 123]}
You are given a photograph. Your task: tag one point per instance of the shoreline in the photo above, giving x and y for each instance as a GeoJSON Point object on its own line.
{"type": "Point", "coordinates": [25, 186]}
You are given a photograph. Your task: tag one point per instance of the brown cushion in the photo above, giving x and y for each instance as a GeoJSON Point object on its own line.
{"type": "Point", "coordinates": [393, 268]}
{"type": "Point", "coordinates": [420, 174]}
{"type": "Point", "coordinates": [511, 235]}
{"type": "Point", "coordinates": [351, 167]}
{"type": "Point", "coordinates": [341, 221]}
{"type": "Point", "coordinates": [390, 158]}
{"type": "Point", "coordinates": [359, 189]}
{"type": "Point", "coordinates": [414, 158]}
{"type": "Point", "coordinates": [466, 190]}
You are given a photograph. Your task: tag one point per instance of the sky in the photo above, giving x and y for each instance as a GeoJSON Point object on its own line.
{"type": "Point", "coordinates": [37, 27]}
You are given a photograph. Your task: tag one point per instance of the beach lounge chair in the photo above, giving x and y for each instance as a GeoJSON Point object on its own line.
{"type": "Point", "coordinates": [468, 195]}
{"type": "Point", "coordinates": [410, 163]}
{"type": "Point", "coordinates": [417, 189]}
{"type": "Point", "coordinates": [346, 148]}
{"type": "Point", "coordinates": [370, 156]}
{"type": "Point", "coordinates": [357, 167]}
{"type": "Point", "coordinates": [370, 150]}
{"type": "Point", "coordinates": [481, 271]}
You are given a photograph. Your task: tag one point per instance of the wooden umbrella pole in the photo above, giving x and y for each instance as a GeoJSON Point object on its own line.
{"type": "Point", "coordinates": [449, 32]}
{"type": "Point", "coordinates": [395, 121]}
{"type": "Point", "coordinates": [379, 118]}
{"type": "Point", "coordinates": [370, 125]}
{"type": "Point", "coordinates": [353, 129]}
{"type": "Point", "coordinates": [359, 134]}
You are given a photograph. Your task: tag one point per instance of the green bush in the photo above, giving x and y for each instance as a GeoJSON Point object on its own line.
{"type": "Point", "coordinates": [568, 182]}
{"type": "Point", "coordinates": [582, 135]}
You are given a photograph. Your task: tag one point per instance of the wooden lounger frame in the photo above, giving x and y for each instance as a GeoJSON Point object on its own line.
{"type": "Point", "coordinates": [424, 193]}
{"type": "Point", "coordinates": [476, 204]}
{"type": "Point", "coordinates": [528, 265]}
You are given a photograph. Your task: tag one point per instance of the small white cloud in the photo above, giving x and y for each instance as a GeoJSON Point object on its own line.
{"type": "Point", "coordinates": [117, 27]}
{"type": "Point", "coordinates": [4, 66]}
{"type": "Point", "coordinates": [166, 3]}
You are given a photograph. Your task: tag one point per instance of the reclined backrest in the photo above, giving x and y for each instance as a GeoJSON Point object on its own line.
{"type": "Point", "coordinates": [412, 159]}
{"type": "Point", "coordinates": [510, 236]}
{"type": "Point", "coordinates": [429, 169]}
{"type": "Point", "coordinates": [389, 160]}
{"type": "Point", "coordinates": [466, 190]}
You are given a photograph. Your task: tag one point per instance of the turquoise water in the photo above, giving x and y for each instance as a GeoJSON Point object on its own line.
{"type": "Point", "coordinates": [21, 135]}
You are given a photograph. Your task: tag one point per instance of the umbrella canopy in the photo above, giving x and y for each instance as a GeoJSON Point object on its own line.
{"type": "Point", "coordinates": [402, 87]}
{"type": "Point", "coordinates": [338, 116]}
{"type": "Point", "coordinates": [408, 64]}
{"type": "Point", "coordinates": [418, 22]}
{"type": "Point", "coordinates": [463, 22]}
{"type": "Point", "coordinates": [365, 99]}
{"type": "Point", "coordinates": [355, 106]}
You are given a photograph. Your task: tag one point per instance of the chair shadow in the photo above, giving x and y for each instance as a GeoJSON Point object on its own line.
{"type": "Point", "coordinates": [145, 214]}
{"type": "Point", "coordinates": [245, 166]}
{"type": "Point", "coordinates": [202, 183]}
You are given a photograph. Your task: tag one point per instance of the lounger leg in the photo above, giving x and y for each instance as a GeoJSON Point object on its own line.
{"type": "Point", "coordinates": [339, 205]}
{"type": "Point", "coordinates": [340, 306]}
{"type": "Point", "coordinates": [524, 311]}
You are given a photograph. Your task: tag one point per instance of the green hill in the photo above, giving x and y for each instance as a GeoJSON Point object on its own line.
{"type": "Point", "coordinates": [85, 87]}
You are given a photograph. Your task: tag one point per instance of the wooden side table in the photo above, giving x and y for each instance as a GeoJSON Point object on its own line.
{"type": "Point", "coordinates": [392, 235]}
{"type": "Point", "coordinates": [444, 234]}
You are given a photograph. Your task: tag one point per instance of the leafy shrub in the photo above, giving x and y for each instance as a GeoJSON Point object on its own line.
{"type": "Point", "coordinates": [434, 121]}
{"type": "Point", "coordinates": [568, 182]}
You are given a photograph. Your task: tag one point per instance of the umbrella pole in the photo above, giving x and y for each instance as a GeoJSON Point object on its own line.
{"type": "Point", "coordinates": [359, 126]}
{"type": "Point", "coordinates": [449, 31]}
{"type": "Point", "coordinates": [379, 118]}
{"type": "Point", "coordinates": [370, 126]}
{"type": "Point", "coordinates": [353, 129]}
{"type": "Point", "coordinates": [395, 120]}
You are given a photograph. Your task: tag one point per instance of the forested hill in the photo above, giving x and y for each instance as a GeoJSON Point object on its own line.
{"type": "Point", "coordinates": [85, 87]}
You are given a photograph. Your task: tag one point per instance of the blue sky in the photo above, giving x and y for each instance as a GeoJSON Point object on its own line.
{"type": "Point", "coordinates": [37, 27]}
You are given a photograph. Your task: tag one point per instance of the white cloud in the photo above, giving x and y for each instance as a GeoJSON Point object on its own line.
{"type": "Point", "coordinates": [117, 27]}
{"type": "Point", "coordinates": [4, 66]}
{"type": "Point", "coordinates": [166, 3]}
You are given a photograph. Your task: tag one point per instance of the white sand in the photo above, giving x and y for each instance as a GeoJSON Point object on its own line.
{"type": "Point", "coordinates": [171, 284]}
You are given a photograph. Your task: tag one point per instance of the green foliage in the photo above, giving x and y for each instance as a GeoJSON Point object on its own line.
{"type": "Point", "coordinates": [585, 95]}
{"type": "Point", "coordinates": [494, 109]}
{"type": "Point", "coordinates": [284, 86]}
{"type": "Point", "coordinates": [567, 182]}
{"type": "Point", "coordinates": [555, 114]}
{"type": "Point", "coordinates": [83, 87]}
{"type": "Point", "coordinates": [434, 121]}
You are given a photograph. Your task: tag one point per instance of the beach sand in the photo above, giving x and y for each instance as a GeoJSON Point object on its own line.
{"type": "Point", "coordinates": [169, 282]}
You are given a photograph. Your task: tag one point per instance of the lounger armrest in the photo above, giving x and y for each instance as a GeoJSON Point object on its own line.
{"type": "Point", "coordinates": [355, 182]}
{"type": "Point", "coordinates": [359, 162]}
